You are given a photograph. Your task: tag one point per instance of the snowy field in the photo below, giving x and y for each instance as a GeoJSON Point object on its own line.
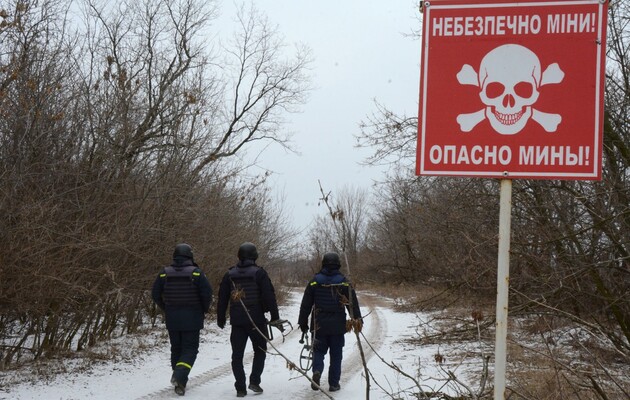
{"type": "Point", "coordinates": [145, 373]}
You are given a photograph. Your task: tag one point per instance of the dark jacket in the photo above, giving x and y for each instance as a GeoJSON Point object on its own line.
{"type": "Point", "coordinates": [184, 293]}
{"type": "Point", "coordinates": [326, 298]}
{"type": "Point", "coordinates": [253, 286]}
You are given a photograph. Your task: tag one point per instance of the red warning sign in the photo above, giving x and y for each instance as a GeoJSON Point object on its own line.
{"type": "Point", "coordinates": [512, 89]}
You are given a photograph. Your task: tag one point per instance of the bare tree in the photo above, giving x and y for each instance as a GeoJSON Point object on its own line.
{"type": "Point", "coordinates": [117, 144]}
{"type": "Point", "coordinates": [262, 86]}
{"type": "Point", "coordinates": [393, 137]}
{"type": "Point", "coordinates": [352, 204]}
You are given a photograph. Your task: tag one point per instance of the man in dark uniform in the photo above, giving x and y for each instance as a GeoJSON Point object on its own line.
{"type": "Point", "coordinates": [327, 296]}
{"type": "Point", "coordinates": [249, 293]}
{"type": "Point", "coordinates": [183, 292]}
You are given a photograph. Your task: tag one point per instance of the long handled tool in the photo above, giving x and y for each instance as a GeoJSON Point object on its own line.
{"type": "Point", "coordinates": [306, 355]}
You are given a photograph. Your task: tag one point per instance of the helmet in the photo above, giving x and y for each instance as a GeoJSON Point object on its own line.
{"type": "Point", "coordinates": [183, 250]}
{"type": "Point", "coordinates": [331, 259]}
{"type": "Point", "coordinates": [247, 251]}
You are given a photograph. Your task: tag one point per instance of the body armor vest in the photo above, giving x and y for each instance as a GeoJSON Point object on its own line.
{"type": "Point", "coordinates": [179, 289]}
{"type": "Point", "coordinates": [328, 293]}
{"type": "Point", "coordinates": [244, 280]}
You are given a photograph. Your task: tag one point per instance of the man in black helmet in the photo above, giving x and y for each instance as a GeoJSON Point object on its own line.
{"type": "Point", "coordinates": [183, 292]}
{"type": "Point", "coordinates": [327, 296]}
{"type": "Point", "coordinates": [249, 293]}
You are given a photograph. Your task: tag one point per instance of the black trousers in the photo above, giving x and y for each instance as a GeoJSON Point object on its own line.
{"type": "Point", "coordinates": [238, 338]}
{"type": "Point", "coordinates": [333, 345]}
{"type": "Point", "coordinates": [184, 349]}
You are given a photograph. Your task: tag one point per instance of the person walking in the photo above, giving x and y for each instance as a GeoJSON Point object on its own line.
{"type": "Point", "coordinates": [248, 292]}
{"type": "Point", "coordinates": [183, 292]}
{"type": "Point", "coordinates": [326, 299]}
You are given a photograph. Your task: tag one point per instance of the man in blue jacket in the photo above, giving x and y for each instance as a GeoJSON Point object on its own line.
{"type": "Point", "coordinates": [248, 292]}
{"type": "Point", "coordinates": [183, 292]}
{"type": "Point", "coordinates": [327, 296]}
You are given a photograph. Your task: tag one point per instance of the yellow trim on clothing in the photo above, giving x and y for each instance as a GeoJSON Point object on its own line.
{"type": "Point", "coordinates": [183, 364]}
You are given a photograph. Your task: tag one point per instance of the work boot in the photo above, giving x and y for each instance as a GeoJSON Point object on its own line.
{"type": "Point", "coordinates": [241, 393]}
{"type": "Point", "coordinates": [334, 388]}
{"type": "Point", "coordinates": [180, 389]}
{"type": "Point", "coordinates": [255, 388]}
{"type": "Point", "coordinates": [316, 377]}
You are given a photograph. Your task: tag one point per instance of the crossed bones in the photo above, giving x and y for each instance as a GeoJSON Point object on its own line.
{"type": "Point", "coordinates": [468, 76]}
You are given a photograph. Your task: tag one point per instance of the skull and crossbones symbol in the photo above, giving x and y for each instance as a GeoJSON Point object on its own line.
{"type": "Point", "coordinates": [509, 78]}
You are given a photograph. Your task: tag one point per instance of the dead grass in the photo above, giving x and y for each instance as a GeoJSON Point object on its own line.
{"type": "Point", "coordinates": [121, 349]}
{"type": "Point", "coordinates": [545, 384]}
{"type": "Point", "coordinates": [549, 357]}
{"type": "Point", "coordinates": [418, 297]}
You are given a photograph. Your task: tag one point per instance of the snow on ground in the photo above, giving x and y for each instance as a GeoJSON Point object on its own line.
{"type": "Point", "coordinates": [146, 375]}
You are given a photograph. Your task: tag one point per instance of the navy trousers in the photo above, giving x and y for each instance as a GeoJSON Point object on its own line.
{"type": "Point", "coordinates": [238, 338]}
{"type": "Point", "coordinates": [332, 344]}
{"type": "Point", "coordinates": [184, 349]}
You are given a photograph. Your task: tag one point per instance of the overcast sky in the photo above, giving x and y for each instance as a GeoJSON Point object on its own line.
{"type": "Point", "coordinates": [361, 54]}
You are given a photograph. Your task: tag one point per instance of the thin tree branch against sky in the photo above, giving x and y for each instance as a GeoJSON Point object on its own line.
{"type": "Point", "coordinates": [363, 51]}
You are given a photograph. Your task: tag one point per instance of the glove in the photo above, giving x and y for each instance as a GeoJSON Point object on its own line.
{"type": "Point", "coordinates": [278, 324]}
{"type": "Point", "coordinates": [221, 323]}
{"type": "Point", "coordinates": [304, 328]}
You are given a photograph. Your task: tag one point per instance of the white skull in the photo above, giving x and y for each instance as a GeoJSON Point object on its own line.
{"type": "Point", "coordinates": [509, 78]}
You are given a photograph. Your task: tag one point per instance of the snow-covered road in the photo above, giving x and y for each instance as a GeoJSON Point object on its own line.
{"type": "Point", "coordinates": [147, 376]}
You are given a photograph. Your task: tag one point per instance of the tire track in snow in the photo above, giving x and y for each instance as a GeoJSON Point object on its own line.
{"type": "Point", "coordinates": [204, 378]}
{"type": "Point", "coordinates": [351, 365]}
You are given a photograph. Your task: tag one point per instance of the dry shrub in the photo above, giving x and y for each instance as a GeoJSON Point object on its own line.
{"type": "Point", "coordinates": [597, 352]}
{"type": "Point", "coordinates": [542, 383]}
{"type": "Point", "coordinates": [550, 368]}
{"type": "Point", "coordinates": [282, 294]}
{"type": "Point", "coordinates": [543, 324]}
{"type": "Point", "coordinates": [417, 297]}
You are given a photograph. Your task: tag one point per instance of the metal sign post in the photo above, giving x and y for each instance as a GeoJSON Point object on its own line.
{"type": "Point", "coordinates": [503, 283]}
